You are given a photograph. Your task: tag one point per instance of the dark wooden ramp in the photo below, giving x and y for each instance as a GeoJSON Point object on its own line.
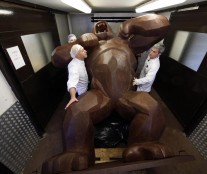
{"type": "Point", "coordinates": [119, 166]}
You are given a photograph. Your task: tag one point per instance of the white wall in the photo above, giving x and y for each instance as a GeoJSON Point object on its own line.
{"type": "Point", "coordinates": [80, 23]}
{"type": "Point", "coordinates": [166, 14]}
{"type": "Point", "coordinates": [63, 27]}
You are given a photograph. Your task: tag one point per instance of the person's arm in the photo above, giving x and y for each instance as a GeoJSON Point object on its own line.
{"type": "Point", "coordinates": [141, 61]}
{"type": "Point", "coordinates": [73, 98]}
{"type": "Point", "coordinates": [149, 76]}
{"type": "Point", "coordinates": [71, 84]}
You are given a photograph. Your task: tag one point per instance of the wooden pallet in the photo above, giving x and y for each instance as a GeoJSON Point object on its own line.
{"type": "Point", "coordinates": [112, 162]}
{"type": "Point", "coordinates": [108, 154]}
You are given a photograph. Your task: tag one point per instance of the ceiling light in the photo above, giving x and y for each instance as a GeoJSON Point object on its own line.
{"type": "Point", "coordinates": [78, 4]}
{"type": "Point", "coordinates": [5, 12]}
{"type": "Point", "coordinates": [156, 4]}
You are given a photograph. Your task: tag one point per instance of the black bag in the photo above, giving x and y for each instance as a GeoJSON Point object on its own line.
{"type": "Point", "coordinates": [111, 132]}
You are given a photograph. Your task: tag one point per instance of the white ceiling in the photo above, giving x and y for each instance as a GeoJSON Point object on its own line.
{"type": "Point", "coordinates": [101, 5]}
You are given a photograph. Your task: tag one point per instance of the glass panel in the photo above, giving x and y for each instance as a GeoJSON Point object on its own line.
{"type": "Point", "coordinates": [39, 48]}
{"type": "Point", "coordinates": [189, 48]}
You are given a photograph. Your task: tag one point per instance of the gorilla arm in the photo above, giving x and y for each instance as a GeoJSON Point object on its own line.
{"type": "Point", "coordinates": [61, 54]}
{"type": "Point", "coordinates": [144, 31]}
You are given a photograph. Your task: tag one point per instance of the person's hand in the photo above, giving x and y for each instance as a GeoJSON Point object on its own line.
{"type": "Point", "coordinates": [135, 81]}
{"type": "Point", "coordinates": [72, 100]}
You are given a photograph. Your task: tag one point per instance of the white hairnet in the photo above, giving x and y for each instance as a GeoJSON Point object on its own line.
{"type": "Point", "coordinates": [74, 50]}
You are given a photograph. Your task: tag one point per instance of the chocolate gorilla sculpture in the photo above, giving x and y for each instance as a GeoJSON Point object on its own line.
{"type": "Point", "coordinates": [111, 65]}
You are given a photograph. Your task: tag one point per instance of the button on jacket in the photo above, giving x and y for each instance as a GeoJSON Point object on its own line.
{"type": "Point", "coordinates": [77, 77]}
{"type": "Point", "coordinates": [148, 74]}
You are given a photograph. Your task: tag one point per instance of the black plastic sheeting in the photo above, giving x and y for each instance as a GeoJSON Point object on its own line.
{"type": "Point", "coordinates": [111, 132]}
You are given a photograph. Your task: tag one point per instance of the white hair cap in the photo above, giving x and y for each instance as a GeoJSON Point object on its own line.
{"type": "Point", "coordinates": [74, 50]}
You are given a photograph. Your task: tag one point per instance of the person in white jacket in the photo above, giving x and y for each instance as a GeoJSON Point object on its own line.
{"type": "Point", "coordinates": [150, 68]}
{"type": "Point", "coordinates": [72, 38]}
{"type": "Point", "coordinates": [77, 83]}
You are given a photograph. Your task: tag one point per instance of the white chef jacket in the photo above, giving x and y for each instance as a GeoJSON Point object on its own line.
{"type": "Point", "coordinates": [77, 76]}
{"type": "Point", "coordinates": [148, 74]}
